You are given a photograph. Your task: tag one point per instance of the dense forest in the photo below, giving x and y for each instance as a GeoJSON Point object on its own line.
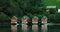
{"type": "Point", "coordinates": [30, 8]}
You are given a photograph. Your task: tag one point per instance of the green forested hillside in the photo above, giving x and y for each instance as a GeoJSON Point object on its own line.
{"type": "Point", "coordinates": [52, 2]}
{"type": "Point", "coordinates": [19, 8]}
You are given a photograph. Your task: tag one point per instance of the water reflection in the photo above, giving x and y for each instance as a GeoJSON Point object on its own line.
{"type": "Point", "coordinates": [29, 28]}
{"type": "Point", "coordinates": [32, 28]}
{"type": "Point", "coordinates": [5, 29]}
{"type": "Point", "coordinates": [53, 28]}
{"type": "Point", "coordinates": [24, 27]}
{"type": "Point", "coordinates": [44, 28]}
{"type": "Point", "coordinates": [35, 28]}
{"type": "Point", "coordinates": [14, 28]}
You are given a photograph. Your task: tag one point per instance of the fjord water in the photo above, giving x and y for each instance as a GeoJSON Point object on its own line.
{"type": "Point", "coordinates": [33, 28]}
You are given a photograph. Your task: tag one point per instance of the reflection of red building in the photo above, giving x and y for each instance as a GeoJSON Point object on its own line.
{"type": "Point", "coordinates": [44, 28]}
{"type": "Point", "coordinates": [13, 28]}
{"type": "Point", "coordinates": [24, 27]}
{"type": "Point", "coordinates": [35, 28]}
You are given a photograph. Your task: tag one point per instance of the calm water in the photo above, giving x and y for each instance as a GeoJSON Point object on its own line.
{"type": "Point", "coordinates": [33, 28]}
